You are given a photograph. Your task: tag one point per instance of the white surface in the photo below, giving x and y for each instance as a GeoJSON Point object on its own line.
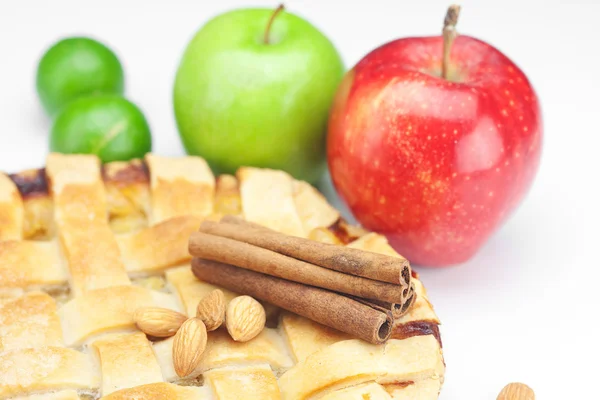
{"type": "Point", "coordinates": [525, 308]}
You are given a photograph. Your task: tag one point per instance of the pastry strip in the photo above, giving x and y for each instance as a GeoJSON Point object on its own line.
{"type": "Point", "coordinates": [222, 351]}
{"type": "Point", "coordinates": [426, 389]}
{"type": "Point", "coordinates": [107, 309]}
{"type": "Point", "coordinates": [93, 256]}
{"type": "Point", "coordinates": [305, 337]}
{"type": "Point", "coordinates": [29, 321]}
{"type": "Point", "coordinates": [62, 395]}
{"type": "Point", "coordinates": [30, 264]}
{"type": "Point", "coordinates": [256, 382]}
{"type": "Point", "coordinates": [370, 391]}
{"type": "Point", "coordinates": [128, 194]}
{"type": "Point", "coordinates": [352, 362]}
{"type": "Point", "coordinates": [227, 197]}
{"type": "Point", "coordinates": [267, 199]}
{"type": "Point", "coordinates": [161, 391]}
{"type": "Point", "coordinates": [44, 369]}
{"type": "Point", "coordinates": [126, 360]}
{"type": "Point", "coordinates": [376, 243]}
{"type": "Point", "coordinates": [80, 211]}
{"type": "Point", "coordinates": [180, 186]}
{"type": "Point", "coordinates": [158, 247]}
{"type": "Point", "coordinates": [190, 289]}
{"type": "Point", "coordinates": [312, 207]}
{"type": "Point", "coordinates": [11, 210]}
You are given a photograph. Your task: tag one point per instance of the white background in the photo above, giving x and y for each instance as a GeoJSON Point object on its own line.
{"type": "Point", "coordinates": [525, 308]}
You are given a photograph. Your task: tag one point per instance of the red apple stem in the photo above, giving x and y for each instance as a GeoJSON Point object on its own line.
{"type": "Point", "coordinates": [279, 9]}
{"type": "Point", "coordinates": [449, 33]}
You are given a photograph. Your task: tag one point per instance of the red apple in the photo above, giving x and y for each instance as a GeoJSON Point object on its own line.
{"type": "Point", "coordinates": [434, 164]}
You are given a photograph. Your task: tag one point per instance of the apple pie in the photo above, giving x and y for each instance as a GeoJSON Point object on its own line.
{"type": "Point", "coordinates": [84, 245]}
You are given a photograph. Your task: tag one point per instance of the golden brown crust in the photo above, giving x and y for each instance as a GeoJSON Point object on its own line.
{"type": "Point", "coordinates": [344, 232]}
{"type": "Point", "coordinates": [227, 196]}
{"type": "Point", "coordinates": [158, 247]}
{"type": "Point", "coordinates": [222, 351]}
{"type": "Point", "coordinates": [127, 195]}
{"type": "Point", "coordinates": [60, 395]}
{"type": "Point", "coordinates": [63, 170]}
{"type": "Point", "coordinates": [107, 309]}
{"type": "Point", "coordinates": [255, 382]}
{"type": "Point", "coordinates": [353, 362]}
{"type": "Point", "coordinates": [80, 213]}
{"type": "Point", "coordinates": [31, 264]}
{"type": "Point", "coordinates": [370, 391]}
{"type": "Point", "coordinates": [376, 243]}
{"type": "Point", "coordinates": [305, 337]}
{"type": "Point", "coordinates": [38, 221]}
{"type": "Point", "coordinates": [426, 389]}
{"type": "Point", "coordinates": [161, 391]}
{"type": "Point", "coordinates": [125, 173]}
{"type": "Point", "coordinates": [93, 257]}
{"type": "Point", "coordinates": [180, 186]}
{"type": "Point", "coordinates": [324, 235]}
{"type": "Point", "coordinates": [29, 321]}
{"type": "Point", "coordinates": [126, 360]}
{"type": "Point", "coordinates": [45, 369]}
{"type": "Point", "coordinates": [313, 209]}
{"type": "Point", "coordinates": [90, 204]}
{"type": "Point", "coordinates": [417, 328]}
{"type": "Point", "coordinates": [190, 290]}
{"type": "Point", "coordinates": [268, 200]}
{"type": "Point", "coordinates": [31, 183]}
{"type": "Point", "coordinates": [11, 210]}
{"type": "Point", "coordinates": [37, 215]}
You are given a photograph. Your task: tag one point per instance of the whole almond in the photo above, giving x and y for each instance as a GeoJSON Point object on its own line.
{"type": "Point", "coordinates": [211, 310]}
{"type": "Point", "coordinates": [245, 318]}
{"type": "Point", "coordinates": [516, 391]}
{"type": "Point", "coordinates": [158, 322]}
{"type": "Point", "coordinates": [188, 345]}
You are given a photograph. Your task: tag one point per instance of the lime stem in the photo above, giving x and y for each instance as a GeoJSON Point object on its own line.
{"type": "Point", "coordinates": [279, 9]}
{"type": "Point", "coordinates": [449, 33]}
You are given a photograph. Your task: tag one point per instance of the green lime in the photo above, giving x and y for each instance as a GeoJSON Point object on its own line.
{"type": "Point", "coordinates": [75, 67]}
{"type": "Point", "coordinates": [109, 126]}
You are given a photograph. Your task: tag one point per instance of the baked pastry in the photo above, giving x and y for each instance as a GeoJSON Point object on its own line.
{"type": "Point", "coordinates": [82, 246]}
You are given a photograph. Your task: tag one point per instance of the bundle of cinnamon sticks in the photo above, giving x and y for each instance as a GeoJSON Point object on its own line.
{"type": "Point", "coordinates": [351, 290]}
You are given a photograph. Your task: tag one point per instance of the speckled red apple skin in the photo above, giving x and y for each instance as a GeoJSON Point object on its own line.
{"type": "Point", "coordinates": [435, 165]}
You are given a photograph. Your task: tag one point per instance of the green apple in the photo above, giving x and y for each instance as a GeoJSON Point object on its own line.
{"type": "Point", "coordinates": [254, 88]}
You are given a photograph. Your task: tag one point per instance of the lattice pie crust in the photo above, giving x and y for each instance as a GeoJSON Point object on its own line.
{"type": "Point", "coordinates": [83, 245]}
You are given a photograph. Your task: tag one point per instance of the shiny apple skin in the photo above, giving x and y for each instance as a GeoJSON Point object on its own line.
{"type": "Point", "coordinates": [435, 165]}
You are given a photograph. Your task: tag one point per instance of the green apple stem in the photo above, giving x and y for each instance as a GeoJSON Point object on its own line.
{"type": "Point", "coordinates": [449, 33]}
{"type": "Point", "coordinates": [279, 9]}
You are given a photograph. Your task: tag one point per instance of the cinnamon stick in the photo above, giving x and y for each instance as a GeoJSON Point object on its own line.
{"type": "Point", "coordinates": [328, 308]}
{"type": "Point", "coordinates": [397, 309]}
{"type": "Point", "coordinates": [247, 256]}
{"type": "Point", "coordinates": [339, 258]}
